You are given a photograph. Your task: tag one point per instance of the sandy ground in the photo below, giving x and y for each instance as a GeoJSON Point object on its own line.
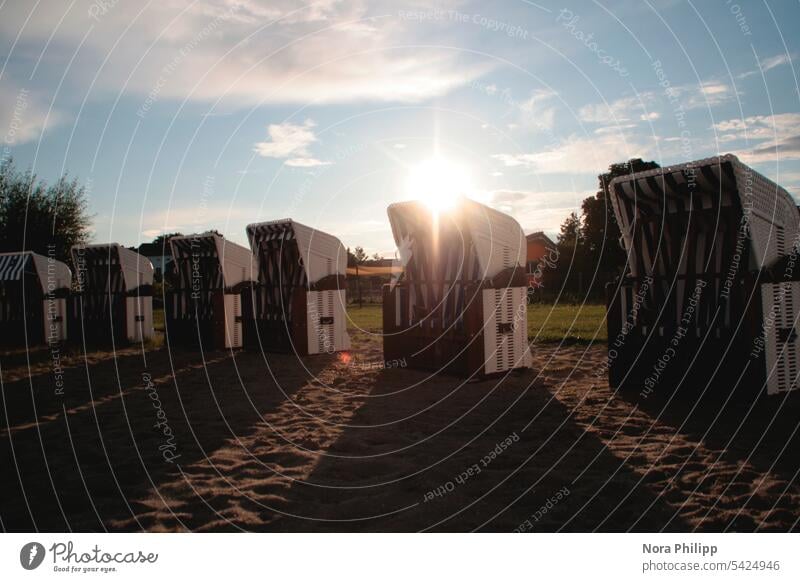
{"type": "Point", "coordinates": [171, 440]}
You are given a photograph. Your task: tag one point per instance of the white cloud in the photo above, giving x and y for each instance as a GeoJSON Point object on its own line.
{"type": "Point", "coordinates": [535, 211]}
{"type": "Point", "coordinates": [645, 106]}
{"type": "Point", "coordinates": [290, 142]}
{"type": "Point", "coordinates": [24, 115]}
{"type": "Point", "coordinates": [770, 137]}
{"type": "Point", "coordinates": [776, 61]}
{"type": "Point", "coordinates": [790, 177]}
{"type": "Point", "coordinates": [579, 155]}
{"type": "Point", "coordinates": [306, 162]}
{"type": "Point", "coordinates": [769, 63]}
{"type": "Point", "coordinates": [619, 111]}
{"type": "Point", "coordinates": [323, 51]}
{"type": "Point", "coordinates": [537, 112]}
{"type": "Point", "coordinates": [704, 94]}
{"type": "Point", "coordinates": [185, 218]}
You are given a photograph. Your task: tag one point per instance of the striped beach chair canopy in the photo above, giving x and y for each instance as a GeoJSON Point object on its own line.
{"type": "Point", "coordinates": [51, 274]}
{"type": "Point", "coordinates": [485, 241]}
{"type": "Point", "coordinates": [234, 264]}
{"type": "Point", "coordinates": [713, 205]}
{"type": "Point", "coordinates": [100, 260]}
{"type": "Point", "coordinates": [321, 254]}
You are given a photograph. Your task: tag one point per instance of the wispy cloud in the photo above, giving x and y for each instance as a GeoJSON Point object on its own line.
{"type": "Point", "coordinates": [769, 63]}
{"type": "Point", "coordinates": [620, 111]}
{"type": "Point", "coordinates": [24, 115]}
{"type": "Point", "coordinates": [535, 210]}
{"type": "Point", "coordinates": [248, 52]}
{"type": "Point", "coordinates": [768, 137]}
{"type": "Point", "coordinates": [536, 113]}
{"type": "Point", "coordinates": [188, 219]}
{"type": "Point", "coordinates": [290, 142]}
{"type": "Point", "coordinates": [579, 154]}
{"type": "Point", "coordinates": [704, 94]}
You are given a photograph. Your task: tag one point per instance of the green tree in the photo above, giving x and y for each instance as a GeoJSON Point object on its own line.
{"type": "Point", "coordinates": [600, 229]}
{"type": "Point", "coordinates": [571, 234]}
{"type": "Point", "coordinates": [162, 240]}
{"type": "Point", "coordinates": [360, 255]}
{"type": "Point", "coordinates": [568, 276]}
{"type": "Point", "coordinates": [38, 217]}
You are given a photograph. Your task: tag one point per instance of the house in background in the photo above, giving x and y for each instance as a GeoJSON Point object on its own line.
{"type": "Point", "coordinates": [542, 255]}
{"type": "Point", "coordinates": [159, 255]}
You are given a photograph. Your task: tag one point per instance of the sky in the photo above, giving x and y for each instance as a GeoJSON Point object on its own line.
{"type": "Point", "coordinates": [186, 116]}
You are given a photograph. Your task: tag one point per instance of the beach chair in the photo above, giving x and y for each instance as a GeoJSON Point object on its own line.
{"type": "Point", "coordinates": [299, 302]}
{"type": "Point", "coordinates": [114, 299]}
{"type": "Point", "coordinates": [711, 289]}
{"type": "Point", "coordinates": [33, 299]}
{"type": "Point", "coordinates": [204, 307]}
{"type": "Point", "coordinates": [460, 305]}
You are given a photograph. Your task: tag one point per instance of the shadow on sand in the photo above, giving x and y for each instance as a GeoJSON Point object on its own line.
{"type": "Point", "coordinates": [96, 457]}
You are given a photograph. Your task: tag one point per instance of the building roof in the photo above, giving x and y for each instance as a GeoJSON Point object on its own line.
{"type": "Point", "coordinates": [540, 236]}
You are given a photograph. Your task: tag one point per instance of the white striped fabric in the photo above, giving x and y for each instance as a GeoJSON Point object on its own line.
{"type": "Point", "coordinates": [12, 266]}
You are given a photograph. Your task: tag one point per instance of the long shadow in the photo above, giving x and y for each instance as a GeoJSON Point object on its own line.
{"type": "Point", "coordinates": [37, 395]}
{"type": "Point", "coordinates": [752, 439]}
{"type": "Point", "coordinates": [762, 429]}
{"type": "Point", "coordinates": [100, 463]}
{"type": "Point", "coordinates": [12, 357]}
{"type": "Point", "coordinates": [467, 463]}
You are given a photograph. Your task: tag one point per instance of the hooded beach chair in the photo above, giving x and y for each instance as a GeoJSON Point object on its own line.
{"type": "Point", "coordinates": [460, 305]}
{"type": "Point", "coordinates": [114, 301]}
{"type": "Point", "coordinates": [33, 299]}
{"type": "Point", "coordinates": [204, 307]}
{"type": "Point", "coordinates": [299, 302]}
{"type": "Point", "coordinates": [711, 288]}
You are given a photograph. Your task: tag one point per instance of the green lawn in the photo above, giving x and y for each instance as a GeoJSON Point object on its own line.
{"type": "Point", "coordinates": [158, 320]}
{"type": "Point", "coordinates": [572, 323]}
{"type": "Point", "coordinates": [546, 323]}
{"type": "Point", "coordinates": [369, 317]}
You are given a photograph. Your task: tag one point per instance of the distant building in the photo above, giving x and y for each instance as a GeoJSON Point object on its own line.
{"type": "Point", "coordinates": [159, 255]}
{"type": "Point", "coordinates": [542, 253]}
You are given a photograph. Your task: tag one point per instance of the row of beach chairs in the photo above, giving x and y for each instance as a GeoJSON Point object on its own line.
{"type": "Point", "coordinates": [711, 288]}
{"type": "Point", "coordinates": [287, 292]}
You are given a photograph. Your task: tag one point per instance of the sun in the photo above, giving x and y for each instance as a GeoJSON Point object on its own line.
{"type": "Point", "coordinates": [439, 183]}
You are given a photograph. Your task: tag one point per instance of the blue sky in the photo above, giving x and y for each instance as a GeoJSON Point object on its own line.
{"type": "Point", "coordinates": [215, 114]}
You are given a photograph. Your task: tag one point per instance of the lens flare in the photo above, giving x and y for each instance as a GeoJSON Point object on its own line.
{"type": "Point", "coordinates": [439, 183]}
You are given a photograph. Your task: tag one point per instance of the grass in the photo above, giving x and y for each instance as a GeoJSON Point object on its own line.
{"type": "Point", "coordinates": [369, 317]}
{"type": "Point", "coordinates": [571, 323]}
{"type": "Point", "coordinates": [158, 319]}
{"type": "Point", "coordinates": [546, 323]}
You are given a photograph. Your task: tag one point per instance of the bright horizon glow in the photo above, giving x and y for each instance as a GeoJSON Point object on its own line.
{"type": "Point", "coordinates": [439, 183]}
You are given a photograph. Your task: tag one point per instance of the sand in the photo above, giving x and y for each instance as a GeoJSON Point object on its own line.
{"type": "Point", "coordinates": [173, 440]}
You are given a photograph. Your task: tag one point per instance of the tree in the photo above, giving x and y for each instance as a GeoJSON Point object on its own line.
{"type": "Point", "coordinates": [36, 217]}
{"type": "Point", "coordinates": [377, 257]}
{"type": "Point", "coordinates": [600, 229]}
{"type": "Point", "coordinates": [358, 258]}
{"type": "Point", "coordinates": [360, 255]}
{"type": "Point", "coordinates": [571, 263]}
{"type": "Point", "coordinates": [162, 240]}
{"type": "Point", "coordinates": [571, 234]}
